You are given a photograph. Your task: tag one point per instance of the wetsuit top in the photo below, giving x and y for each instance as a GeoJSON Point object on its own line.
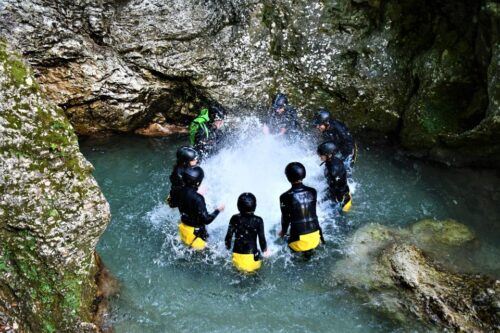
{"type": "Point", "coordinates": [288, 119]}
{"type": "Point", "coordinates": [176, 184]}
{"type": "Point", "coordinates": [336, 176]}
{"type": "Point", "coordinates": [340, 135]}
{"type": "Point", "coordinates": [298, 210]}
{"type": "Point", "coordinates": [193, 208]}
{"type": "Point", "coordinates": [246, 227]}
{"type": "Point", "coordinates": [208, 144]}
{"type": "Point", "coordinates": [176, 176]}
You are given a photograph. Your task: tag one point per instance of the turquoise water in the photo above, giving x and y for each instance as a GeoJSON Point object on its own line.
{"type": "Point", "coordinates": [168, 289]}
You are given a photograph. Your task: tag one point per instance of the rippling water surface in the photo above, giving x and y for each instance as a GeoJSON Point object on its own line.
{"type": "Point", "coordinates": [166, 288]}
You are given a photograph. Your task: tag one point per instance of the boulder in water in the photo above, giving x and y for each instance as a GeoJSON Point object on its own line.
{"type": "Point", "coordinates": [359, 269]}
{"type": "Point", "coordinates": [383, 266]}
{"type": "Point", "coordinates": [461, 302]}
{"type": "Point", "coordinates": [446, 232]}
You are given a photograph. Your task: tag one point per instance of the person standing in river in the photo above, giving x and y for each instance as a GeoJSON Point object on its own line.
{"type": "Point", "coordinates": [194, 214]}
{"type": "Point", "coordinates": [246, 228]}
{"type": "Point", "coordinates": [337, 132]}
{"type": "Point", "coordinates": [186, 157]}
{"type": "Point", "coordinates": [282, 118]}
{"type": "Point", "coordinates": [336, 175]}
{"type": "Point", "coordinates": [205, 131]}
{"type": "Point", "coordinates": [298, 212]}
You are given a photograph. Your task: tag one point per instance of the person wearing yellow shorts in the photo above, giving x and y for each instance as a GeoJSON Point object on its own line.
{"type": "Point", "coordinates": [298, 212]}
{"type": "Point", "coordinates": [246, 228]}
{"type": "Point", "coordinates": [186, 157]}
{"type": "Point", "coordinates": [336, 176]}
{"type": "Point", "coordinates": [334, 130]}
{"type": "Point", "coordinates": [194, 214]}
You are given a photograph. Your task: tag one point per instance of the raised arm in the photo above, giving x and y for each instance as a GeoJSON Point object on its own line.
{"type": "Point", "coordinates": [203, 215]}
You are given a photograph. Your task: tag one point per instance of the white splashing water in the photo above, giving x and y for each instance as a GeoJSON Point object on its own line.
{"type": "Point", "coordinates": [255, 162]}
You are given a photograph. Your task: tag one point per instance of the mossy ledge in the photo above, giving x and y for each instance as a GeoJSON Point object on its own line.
{"type": "Point", "coordinates": [52, 211]}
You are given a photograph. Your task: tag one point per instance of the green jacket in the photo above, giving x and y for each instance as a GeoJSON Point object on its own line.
{"type": "Point", "coordinates": [199, 122]}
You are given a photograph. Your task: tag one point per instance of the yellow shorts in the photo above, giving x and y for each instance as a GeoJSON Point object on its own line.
{"type": "Point", "coordinates": [306, 242]}
{"type": "Point", "coordinates": [246, 262]}
{"type": "Point", "coordinates": [348, 205]}
{"type": "Point", "coordinates": [188, 237]}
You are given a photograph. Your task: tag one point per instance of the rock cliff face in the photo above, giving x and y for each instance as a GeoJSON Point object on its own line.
{"type": "Point", "coordinates": [52, 211]}
{"type": "Point", "coordinates": [424, 72]}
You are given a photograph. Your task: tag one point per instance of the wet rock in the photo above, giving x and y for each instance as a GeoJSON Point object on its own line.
{"type": "Point", "coordinates": [107, 286]}
{"type": "Point", "coordinates": [156, 129]}
{"type": "Point", "coordinates": [454, 115]}
{"type": "Point", "coordinates": [383, 266]}
{"type": "Point", "coordinates": [422, 71]}
{"type": "Point", "coordinates": [445, 232]}
{"type": "Point", "coordinates": [359, 269]}
{"type": "Point", "coordinates": [52, 211]}
{"type": "Point", "coordinates": [463, 303]}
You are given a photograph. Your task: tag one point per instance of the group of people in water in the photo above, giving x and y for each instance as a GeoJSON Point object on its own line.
{"type": "Point", "coordinates": [299, 222]}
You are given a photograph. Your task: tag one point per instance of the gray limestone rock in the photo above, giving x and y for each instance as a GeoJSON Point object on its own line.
{"type": "Point", "coordinates": [52, 211]}
{"type": "Point", "coordinates": [384, 267]}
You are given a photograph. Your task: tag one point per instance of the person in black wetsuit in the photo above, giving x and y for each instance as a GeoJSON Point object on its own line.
{"type": "Point", "coordinates": [337, 132]}
{"type": "Point", "coordinates": [208, 135]}
{"type": "Point", "coordinates": [282, 119]}
{"type": "Point", "coordinates": [336, 175]}
{"type": "Point", "coordinates": [186, 157]}
{"type": "Point", "coordinates": [246, 227]}
{"type": "Point", "coordinates": [298, 212]}
{"type": "Point", "coordinates": [194, 214]}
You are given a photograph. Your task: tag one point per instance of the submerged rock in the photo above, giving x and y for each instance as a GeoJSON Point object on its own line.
{"type": "Point", "coordinates": [425, 72]}
{"type": "Point", "coordinates": [446, 232]}
{"type": "Point", "coordinates": [107, 286]}
{"type": "Point", "coordinates": [384, 266]}
{"type": "Point", "coordinates": [52, 211]}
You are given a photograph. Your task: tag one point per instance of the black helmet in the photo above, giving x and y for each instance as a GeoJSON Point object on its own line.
{"type": "Point", "coordinates": [327, 148]}
{"type": "Point", "coordinates": [215, 113]}
{"type": "Point", "coordinates": [322, 117]}
{"type": "Point", "coordinates": [295, 171]}
{"type": "Point", "coordinates": [193, 176]}
{"type": "Point", "coordinates": [186, 155]}
{"type": "Point", "coordinates": [280, 100]}
{"type": "Point", "coordinates": [247, 203]}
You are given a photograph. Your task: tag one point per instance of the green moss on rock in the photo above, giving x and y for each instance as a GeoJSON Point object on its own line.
{"type": "Point", "coordinates": [46, 261]}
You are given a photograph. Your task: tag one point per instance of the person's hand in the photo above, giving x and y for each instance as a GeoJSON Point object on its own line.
{"type": "Point", "coordinates": [265, 129]}
{"type": "Point", "coordinates": [202, 190]}
{"type": "Point", "coordinates": [266, 254]}
{"type": "Point", "coordinates": [281, 234]}
{"type": "Point", "coordinates": [282, 131]}
{"type": "Point", "coordinates": [221, 207]}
